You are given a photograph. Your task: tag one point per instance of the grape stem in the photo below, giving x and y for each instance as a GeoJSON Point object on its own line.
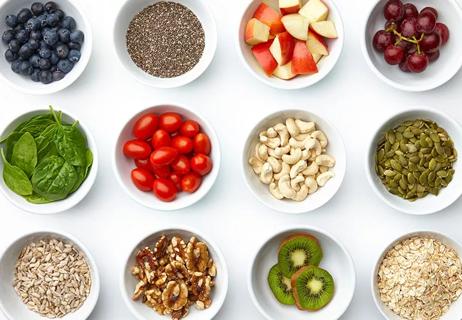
{"type": "Point", "coordinates": [412, 40]}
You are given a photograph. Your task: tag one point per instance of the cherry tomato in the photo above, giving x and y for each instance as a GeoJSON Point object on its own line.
{"type": "Point", "coordinates": [164, 189]}
{"type": "Point", "coordinates": [184, 145]}
{"type": "Point", "coordinates": [176, 179]}
{"type": "Point", "coordinates": [163, 156]}
{"type": "Point", "coordinates": [171, 121]}
{"type": "Point", "coordinates": [143, 164]}
{"type": "Point", "coordinates": [202, 144]}
{"type": "Point", "coordinates": [191, 182]}
{"type": "Point", "coordinates": [160, 138]}
{"type": "Point", "coordinates": [181, 165]}
{"type": "Point", "coordinates": [162, 171]}
{"type": "Point", "coordinates": [201, 164]}
{"type": "Point", "coordinates": [142, 179]}
{"type": "Point", "coordinates": [145, 126]}
{"type": "Point", "coordinates": [137, 149]}
{"type": "Point", "coordinates": [190, 129]}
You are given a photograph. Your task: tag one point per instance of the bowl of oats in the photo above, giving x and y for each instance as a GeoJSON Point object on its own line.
{"type": "Point", "coordinates": [173, 274]}
{"type": "Point", "coordinates": [419, 276]}
{"type": "Point", "coordinates": [48, 274]}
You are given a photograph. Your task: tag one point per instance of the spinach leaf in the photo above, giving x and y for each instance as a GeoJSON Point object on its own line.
{"type": "Point", "coordinates": [36, 125]}
{"type": "Point", "coordinates": [37, 199]}
{"type": "Point", "coordinates": [12, 139]}
{"type": "Point", "coordinates": [54, 178]}
{"type": "Point", "coordinates": [24, 154]}
{"type": "Point", "coordinates": [71, 145]}
{"type": "Point", "coordinates": [15, 178]}
{"type": "Point", "coordinates": [89, 156]}
{"type": "Point", "coordinates": [45, 142]}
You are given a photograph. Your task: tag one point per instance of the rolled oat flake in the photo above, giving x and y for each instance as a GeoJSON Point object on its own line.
{"type": "Point", "coordinates": [165, 39]}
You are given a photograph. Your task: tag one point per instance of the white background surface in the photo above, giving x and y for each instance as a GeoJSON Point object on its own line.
{"type": "Point", "coordinates": [110, 223]}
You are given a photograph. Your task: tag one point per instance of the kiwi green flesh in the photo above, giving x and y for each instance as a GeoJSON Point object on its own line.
{"type": "Point", "coordinates": [314, 288]}
{"type": "Point", "coordinates": [297, 253]}
{"type": "Point", "coordinates": [280, 286]}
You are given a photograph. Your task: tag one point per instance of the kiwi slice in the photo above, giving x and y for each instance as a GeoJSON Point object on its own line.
{"type": "Point", "coordinates": [298, 251]}
{"type": "Point", "coordinates": [280, 286]}
{"type": "Point", "coordinates": [313, 288]}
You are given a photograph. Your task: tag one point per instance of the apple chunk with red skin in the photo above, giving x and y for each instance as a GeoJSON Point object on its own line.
{"type": "Point", "coordinates": [270, 17]}
{"type": "Point", "coordinates": [289, 6]}
{"type": "Point", "coordinates": [283, 48]}
{"type": "Point", "coordinates": [302, 60]}
{"type": "Point", "coordinates": [264, 57]}
{"type": "Point", "coordinates": [296, 25]}
{"type": "Point", "coordinates": [284, 72]}
{"type": "Point", "coordinates": [314, 11]}
{"type": "Point", "coordinates": [316, 44]}
{"type": "Point", "coordinates": [256, 32]}
{"type": "Point", "coordinates": [325, 28]}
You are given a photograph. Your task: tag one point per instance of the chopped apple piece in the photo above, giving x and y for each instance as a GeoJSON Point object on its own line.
{"type": "Point", "coordinates": [284, 72]}
{"type": "Point", "coordinates": [283, 48]}
{"type": "Point", "coordinates": [256, 32]}
{"type": "Point", "coordinates": [302, 60]}
{"type": "Point", "coordinates": [264, 57]}
{"type": "Point", "coordinates": [270, 17]}
{"type": "Point", "coordinates": [317, 57]}
{"type": "Point", "coordinates": [289, 6]}
{"type": "Point", "coordinates": [296, 25]}
{"type": "Point", "coordinates": [325, 29]}
{"type": "Point", "coordinates": [314, 11]}
{"type": "Point", "coordinates": [316, 44]}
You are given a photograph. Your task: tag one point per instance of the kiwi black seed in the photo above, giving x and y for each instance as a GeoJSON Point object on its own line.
{"type": "Point", "coordinates": [297, 252]}
{"type": "Point", "coordinates": [280, 286]}
{"type": "Point", "coordinates": [313, 288]}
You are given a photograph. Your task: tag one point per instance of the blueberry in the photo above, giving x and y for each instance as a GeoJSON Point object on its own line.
{"type": "Point", "coordinates": [46, 77]}
{"type": "Point", "coordinates": [24, 15]}
{"type": "Point", "coordinates": [43, 20]}
{"type": "Point", "coordinates": [14, 45]}
{"type": "Point", "coordinates": [15, 66]}
{"type": "Point", "coordinates": [74, 45]}
{"type": "Point", "coordinates": [44, 64]}
{"type": "Point", "coordinates": [34, 44]}
{"type": "Point", "coordinates": [22, 36]}
{"type": "Point", "coordinates": [25, 52]}
{"type": "Point", "coordinates": [64, 35]}
{"type": "Point", "coordinates": [62, 51]}
{"type": "Point", "coordinates": [7, 36]}
{"type": "Point", "coordinates": [37, 8]}
{"type": "Point", "coordinates": [45, 53]}
{"type": "Point", "coordinates": [36, 35]}
{"type": "Point", "coordinates": [10, 56]}
{"type": "Point", "coordinates": [34, 60]}
{"type": "Point", "coordinates": [54, 59]}
{"type": "Point", "coordinates": [25, 68]}
{"type": "Point", "coordinates": [11, 20]}
{"type": "Point", "coordinates": [52, 20]}
{"type": "Point", "coordinates": [50, 37]}
{"type": "Point", "coordinates": [74, 56]}
{"type": "Point", "coordinates": [58, 75]}
{"type": "Point", "coordinates": [35, 76]}
{"type": "Point", "coordinates": [77, 36]}
{"type": "Point", "coordinates": [59, 13]}
{"type": "Point", "coordinates": [69, 23]}
{"type": "Point", "coordinates": [53, 68]}
{"type": "Point", "coordinates": [51, 7]}
{"type": "Point", "coordinates": [33, 24]}
{"type": "Point", "coordinates": [65, 65]}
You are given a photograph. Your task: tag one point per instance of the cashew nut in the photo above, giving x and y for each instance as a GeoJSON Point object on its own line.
{"type": "Point", "coordinates": [271, 133]}
{"type": "Point", "coordinates": [292, 127]}
{"type": "Point", "coordinates": [256, 165]}
{"type": "Point", "coordinates": [302, 136]}
{"type": "Point", "coordinates": [266, 174]}
{"type": "Point", "coordinates": [280, 151]}
{"type": "Point", "coordinates": [275, 164]}
{"type": "Point", "coordinates": [310, 143]}
{"type": "Point", "coordinates": [272, 143]}
{"type": "Point", "coordinates": [305, 126]}
{"type": "Point", "coordinates": [312, 185]}
{"type": "Point", "coordinates": [294, 143]}
{"type": "Point", "coordinates": [285, 188]}
{"type": "Point", "coordinates": [324, 177]}
{"type": "Point", "coordinates": [284, 171]}
{"type": "Point", "coordinates": [298, 168]}
{"type": "Point", "coordinates": [275, 191]}
{"type": "Point", "coordinates": [325, 160]}
{"type": "Point", "coordinates": [281, 129]}
{"type": "Point", "coordinates": [311, 170]}
{"type": "Point", "coordinates": [317, 147]}
{"type": "Point", "coordinates": [294, 156]}
{"type": "Point", "coordinates": [306, 154]}
{"type": "Point", "coordinates": [323, 169]}
{"type": "Point", "coordinates": [261, 151]}
{"type": "Point", "coordinates": [301, 194]}
{"type": "Point", "coordinates": [295, 183]}
{"type": "Point", "coordinates": [319, 135]}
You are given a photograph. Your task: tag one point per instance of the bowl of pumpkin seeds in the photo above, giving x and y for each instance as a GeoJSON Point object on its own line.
{"type": "Point", "coordinates": [412, 162]}
{"type": "Point", "coordinates": [48, 161]}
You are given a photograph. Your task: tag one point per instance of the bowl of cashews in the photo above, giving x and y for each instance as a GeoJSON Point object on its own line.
{"type": "Point", "coordinates": [294, 161]}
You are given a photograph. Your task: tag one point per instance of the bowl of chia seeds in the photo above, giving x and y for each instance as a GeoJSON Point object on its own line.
{"type": "Point", "coordinates": [165, 44]}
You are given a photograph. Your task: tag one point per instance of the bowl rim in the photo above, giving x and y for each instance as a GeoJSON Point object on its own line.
{"type": "Point", "coordinates": [394, 84]}
{"type": "Point", "coordinates": [170, 228]}
{"type": "Point", "coordinates": [91, 177]}
{"type": "Point", "coordinates": [62, 84]}
{"type": "Point", "coordinates": [244, 162]}
{"type": "Point", "coordinates": [180, 81]}
{"type": "Point", "coordinates": [371, 145]}
{"type": "Point", "coordinates": [279, 232]}
{"type": "Point", "coordinates": [281, 84]}
{"type": "Point", "coordinates": [174, 206]}
{"type": "Point", "coordinates": [416, 232]}
{"type": "Point", "coordinates": [96, 280]}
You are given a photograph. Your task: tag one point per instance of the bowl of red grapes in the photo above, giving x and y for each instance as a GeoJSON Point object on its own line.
{"type": "Point", "coordinates": [413, 45]}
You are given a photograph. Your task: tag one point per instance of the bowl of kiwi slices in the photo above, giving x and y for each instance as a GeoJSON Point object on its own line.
{"type": "Point", "coordinates": [302, 272]}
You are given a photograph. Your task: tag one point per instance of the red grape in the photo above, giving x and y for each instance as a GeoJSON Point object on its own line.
{"type": "Point", "coordinates": [417, 62]}
{"type": "Point", "coordinates": [430, 42]}
{"type": "Point", "coordinates": [393, 10]}
{"type": "Point", "coordinates": [410, 11]}
{"type": "Point", "coordinates": [433, 56]}
{"type": "Point", "coordinates": [382, 40]}
{"type": "Point", "coordinates": [409, 27]}
{"type": "Point", "coordinates": [430, 9]}
{"type": "Point", "coordinates": [404, 65]}
{"type": "Point", "coordinates": [394, 54]}
{"type": "Point", "coordinates": [426, 22]}
{"type": "Point", "coordinates": [443, 32]}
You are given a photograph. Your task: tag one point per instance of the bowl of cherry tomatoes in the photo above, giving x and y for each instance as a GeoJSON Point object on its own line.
{"type": "Point", "coordinates": [167, 157]}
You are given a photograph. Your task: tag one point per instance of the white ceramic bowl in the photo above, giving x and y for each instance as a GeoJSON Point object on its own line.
{"type": "Point", "coordinates": [429, 204]}
{"type": "Point", "coordinates": [11, 304]}
{"type": "Point", "coordinates": [324, 66]}
{"type": "Point", "coordinates": [127, 13]}
{"type": "Point", "coordinates": [123, 165]}
{"type": "Point", "coordinates": [438, 72]}
{"type": "Point", "coordinates": [337, 261]}
{"type": "Point", "coordinates": [455, 311]}
{"type": "Point", "coordinates": [72, 200]}
{"type": "Point", "coordinates": [335, 148]}
{"type": "Point", "coordinates": [128, 282]}
{"type": "Point", "coordinates": [26, 85]}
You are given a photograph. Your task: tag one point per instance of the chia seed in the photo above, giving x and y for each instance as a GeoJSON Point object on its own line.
{"type": "Point", "coordinates": [165, 39]}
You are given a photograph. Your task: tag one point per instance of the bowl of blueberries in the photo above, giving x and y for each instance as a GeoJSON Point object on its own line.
{"type": "Point", "coordinates": [45, 45]}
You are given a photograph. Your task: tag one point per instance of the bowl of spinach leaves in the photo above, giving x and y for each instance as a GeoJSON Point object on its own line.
{"type": "Point", "coordinates": [48, 161]}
